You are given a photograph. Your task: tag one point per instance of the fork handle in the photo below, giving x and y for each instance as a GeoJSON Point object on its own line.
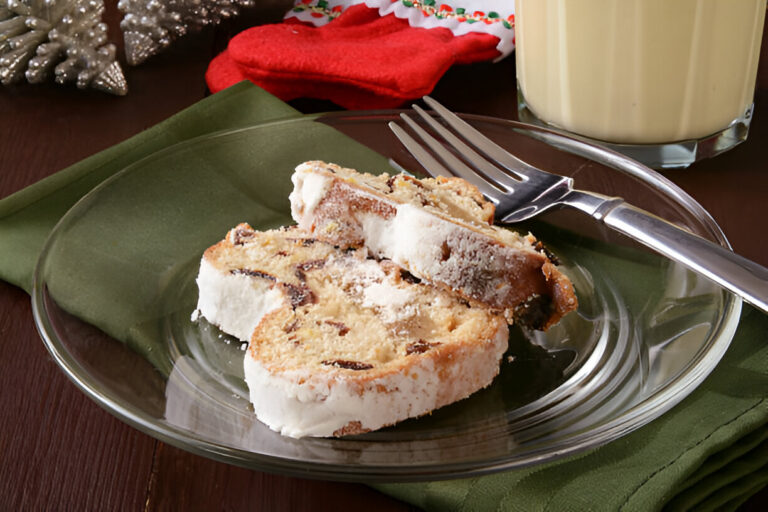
{"type": "Point", "coordinates": [731, 271]}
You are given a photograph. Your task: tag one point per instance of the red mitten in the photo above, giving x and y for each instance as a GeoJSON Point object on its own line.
{"type": "Point", "coordinates": [360, 60]}
{"type": "Point", "coordinates": [223, 72]}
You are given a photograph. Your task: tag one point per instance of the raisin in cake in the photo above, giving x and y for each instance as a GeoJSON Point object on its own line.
{"type": "Point", "coordinates": [341, 343]}
{"type": "Point", "coordinates": [439, 230]}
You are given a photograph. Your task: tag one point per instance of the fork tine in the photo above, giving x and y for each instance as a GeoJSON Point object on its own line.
{"type": "Point", "coordinates": [431, 165]}
{"type": "Point", "coordinates": [454, 166]}
{"type": "Point", "coordinates": [490, 148]}
{"type": "Point", "coordinates": [500, 178]}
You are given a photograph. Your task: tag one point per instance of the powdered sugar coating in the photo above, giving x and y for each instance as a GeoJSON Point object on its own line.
{"type": "Point", "coordinates": [299, 404]}
{"type": "Point", "coordinates": [308, 191]}
{"type": "Point", "coordinates": [233, 302]}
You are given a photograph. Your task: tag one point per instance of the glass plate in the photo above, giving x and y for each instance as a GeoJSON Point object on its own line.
{"type": "Point", "coordinates": [121, 266]}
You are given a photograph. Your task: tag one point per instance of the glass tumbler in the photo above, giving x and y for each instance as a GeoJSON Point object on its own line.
{"type": "Point", "coordinates": [664, 82]}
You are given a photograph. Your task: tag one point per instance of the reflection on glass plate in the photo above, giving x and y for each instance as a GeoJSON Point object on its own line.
{"type": "Point", "coordinates": [121, 266]}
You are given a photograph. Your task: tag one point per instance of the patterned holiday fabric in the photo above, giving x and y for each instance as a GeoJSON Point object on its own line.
{"type": "Point", "coordinates": [363, 54]}
{"type": "Point", "coordinates": [495, 17]}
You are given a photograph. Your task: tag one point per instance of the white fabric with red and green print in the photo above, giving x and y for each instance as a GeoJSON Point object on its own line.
{"type": "Point", "coordinates": [495, 17]}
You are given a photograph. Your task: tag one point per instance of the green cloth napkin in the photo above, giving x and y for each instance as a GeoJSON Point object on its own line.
{"type": "Point", "coordinates": [27, 216]}
{"type": "Point", "coordinates": [708, 452]}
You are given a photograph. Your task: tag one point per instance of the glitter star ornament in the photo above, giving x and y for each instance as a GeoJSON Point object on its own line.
{"type": "Point", "coordinates": [149, 26]}
{"type": "Point", "coordinates": [65, 39]}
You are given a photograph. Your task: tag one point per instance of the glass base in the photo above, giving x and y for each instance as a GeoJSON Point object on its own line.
{"type": "Point", "coordinates": [673, 155]}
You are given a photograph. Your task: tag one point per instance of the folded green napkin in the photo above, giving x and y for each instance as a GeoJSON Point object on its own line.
{"type": "Point", "coordinates": [709, 452]}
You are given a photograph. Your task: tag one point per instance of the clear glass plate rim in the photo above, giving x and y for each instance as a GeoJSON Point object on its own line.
{"type": "Point", "coordinates": [627, 422]}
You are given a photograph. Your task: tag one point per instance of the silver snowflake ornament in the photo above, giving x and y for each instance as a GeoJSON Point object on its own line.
{"type": "Point", "coordinates": [151, 25]}
{"type": "Point", "coordinates": [65, 39]}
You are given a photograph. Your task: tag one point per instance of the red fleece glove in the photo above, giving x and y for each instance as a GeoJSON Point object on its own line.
{"type": "Point", "coordinates": [360, 60]}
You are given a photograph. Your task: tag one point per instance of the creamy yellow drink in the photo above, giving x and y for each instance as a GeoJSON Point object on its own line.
{"type": "Point", "coordinates": [638, 71]}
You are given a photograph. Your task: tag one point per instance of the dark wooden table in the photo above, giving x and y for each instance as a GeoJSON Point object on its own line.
{"type": "Point", "coordinates": [60, 451]}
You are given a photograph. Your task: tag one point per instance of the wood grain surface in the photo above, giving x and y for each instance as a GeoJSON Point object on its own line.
{"type": "Point", "coordinates": [60, 451]}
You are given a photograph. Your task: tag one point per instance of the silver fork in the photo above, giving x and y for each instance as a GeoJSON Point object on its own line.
{"type": "Point", "coordinates": [521, 191]}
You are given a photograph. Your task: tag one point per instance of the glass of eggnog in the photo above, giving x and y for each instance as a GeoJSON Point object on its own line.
{"type": "Point", "coordinates": [666, 82]}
